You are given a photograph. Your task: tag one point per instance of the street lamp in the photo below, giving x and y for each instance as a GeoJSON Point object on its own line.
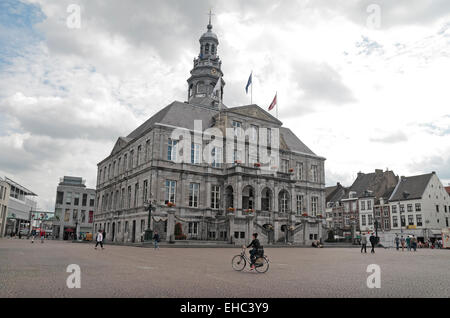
{"type": "Point", "coordinates": [149, 206]}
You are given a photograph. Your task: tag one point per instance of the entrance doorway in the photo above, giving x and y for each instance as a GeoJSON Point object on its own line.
{"type": "Point", "coordinates": [113, 233]}
{"type": "Point", "coordinates": [133, 232]}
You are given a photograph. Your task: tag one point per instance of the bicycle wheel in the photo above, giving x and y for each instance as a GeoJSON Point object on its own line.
{"type": "Point", "coordinates": [264, 267]}
{"type": "Point", "coordinates": [238, 263]}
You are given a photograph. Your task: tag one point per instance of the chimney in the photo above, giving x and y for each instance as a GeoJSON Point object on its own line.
{"type": "Point", "coordinates": [378, 171]}
{"type": "Point", "coordinates": [360, 174]}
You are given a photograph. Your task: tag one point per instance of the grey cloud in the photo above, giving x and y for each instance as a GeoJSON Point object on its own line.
{"type": "Point", "coordinates": [439, 164]}
{"type": "Point", "coordinates": [320, 82]}
{"type": "Point", "coordinates": [392, 138]}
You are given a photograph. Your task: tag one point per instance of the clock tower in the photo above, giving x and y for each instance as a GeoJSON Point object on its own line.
{"type": "Point", "coordinates": [206, 72]}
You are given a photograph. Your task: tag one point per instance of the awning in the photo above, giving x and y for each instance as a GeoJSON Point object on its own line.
{"type": "Point", "coordinates": [436, 232]}
{"type": "Point", "coordinates": [69, 230]}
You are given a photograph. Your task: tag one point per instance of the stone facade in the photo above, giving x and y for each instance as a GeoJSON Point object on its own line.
{"type": "Point", "coordinates": [222, 200]}
{"type": "Point", "coordinates": [74, 209]}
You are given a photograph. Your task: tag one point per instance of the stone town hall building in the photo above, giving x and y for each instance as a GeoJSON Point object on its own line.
{"type": "Point", "coordinates": [221, 200]}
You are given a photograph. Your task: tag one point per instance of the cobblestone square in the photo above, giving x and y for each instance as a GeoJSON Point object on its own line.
{"type": "Point", "coordinates": [39, 270]}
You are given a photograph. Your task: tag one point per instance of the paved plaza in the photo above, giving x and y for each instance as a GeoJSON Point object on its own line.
{"type": "Point", "coordinates": [39, 270]}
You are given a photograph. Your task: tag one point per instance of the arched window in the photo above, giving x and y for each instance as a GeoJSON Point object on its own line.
{"type": "Point", "coordinates": [200, 87]}
{"type": "Point", "coordinates": [191, 88]}
{"type": "Point", "coordinates": [207, 48]}
{"type": "Point", "coordinates": [213, 49]}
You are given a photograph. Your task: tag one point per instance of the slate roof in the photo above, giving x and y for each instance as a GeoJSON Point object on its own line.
{"type": "Point", "coordinates": [414, 185]}
{"type": "Point", "coordinates": [373, 182]}
{"type": "Point", "coordinates": [183, 115]}
{"type": "Point", "coordinates": [335, 193]}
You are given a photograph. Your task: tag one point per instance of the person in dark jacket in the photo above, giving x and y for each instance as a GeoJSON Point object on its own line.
{"type": "Point", "coordinates": [156, 239]}
{"type": "Point", "coordinates": [373, 242]}
{"type": "Point", "coordinates": [256, 246]}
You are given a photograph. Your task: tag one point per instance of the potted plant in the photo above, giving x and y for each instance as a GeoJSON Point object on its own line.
{"type": "Point", "coordinates": [170, 204]}
{"type": "Point", "coordinates": [231, 209]}
{"type": "Point", "coordinates": [238, 162]}
{"type": "Point", "coordinates": [291, 170]}
{"type": "Point", "coordinates": [305, 214]}
{"type": "Point", "coordinates": [257, 165]}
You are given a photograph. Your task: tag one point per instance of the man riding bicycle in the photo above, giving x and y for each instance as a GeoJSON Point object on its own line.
{"type": "Point", "coordinates": [256, 249]}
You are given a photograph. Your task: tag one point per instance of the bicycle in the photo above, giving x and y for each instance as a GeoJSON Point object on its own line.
{"type": "Point", "coordinates": [240, 261]}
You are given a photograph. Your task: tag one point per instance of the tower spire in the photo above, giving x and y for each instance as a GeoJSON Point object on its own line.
{"type": "Point", "coordinates": [210, 17]}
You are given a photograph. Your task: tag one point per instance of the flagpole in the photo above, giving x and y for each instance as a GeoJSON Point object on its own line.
{"type": "Point", "coordinates": [277, 103]}
{"type": "Point", "coordinates": [251, 91]}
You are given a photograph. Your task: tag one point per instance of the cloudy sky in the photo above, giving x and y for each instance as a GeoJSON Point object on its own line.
{"type": "Point", "coordinates": [362, 83]}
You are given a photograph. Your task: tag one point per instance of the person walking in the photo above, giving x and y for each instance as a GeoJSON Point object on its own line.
{"type": "Point", "coordinates": [397, 241]}
{"type": "Point", "coordinates": [373, 242]}
{"type": "Point", "coordinates": [99, 239]}
{"type": "Point", "coordinates": [364, 243]}
{"type": "Point", "coordinates": [402, 242]}
{"type": "Point", "coordinates": [408, 243]}
{"type": "Point", "coordinates": [103, 236]}
{"type": "Point", "coordinates": [414, 243]}
{"type": "Point", "coordinates": [42, 233]}
{"type": "Point", "coordinates": [156, 239]}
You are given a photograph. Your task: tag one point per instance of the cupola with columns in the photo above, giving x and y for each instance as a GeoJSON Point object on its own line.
{"type": "Point", "coordinates": [206, 71]}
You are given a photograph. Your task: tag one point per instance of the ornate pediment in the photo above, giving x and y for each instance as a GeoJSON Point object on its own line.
{"type": "Point", "coordinates": [256, 112]}
{"type": "Point", "coordinates": [120, 144]}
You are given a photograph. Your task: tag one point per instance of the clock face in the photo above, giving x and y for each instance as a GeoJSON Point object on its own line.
{"type": "Point", "coordinates": [213, 71]}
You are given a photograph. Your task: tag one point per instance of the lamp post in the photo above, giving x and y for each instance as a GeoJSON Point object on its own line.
{"type": "Point", "coordinates": [149, 206]}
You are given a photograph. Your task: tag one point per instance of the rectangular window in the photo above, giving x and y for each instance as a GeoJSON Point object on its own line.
{"type": "Point", "coordinates": [114, 168]}
{"type": "Point", "coordinates": [193, 195]}
{"type": "Point", "coordinates": [83, 216]}
{"type": "Point", "coordinates": [314, 173]}
{"type": "Point", "coordinates": [119, 166]}
{"type": "Point", "coordinates": [284, 165]}
{"type": "Point", "coordinates": [217, 157]}
{"type": "Point", "coordinates": [410, 220]}
{"type": "Point", "coordinates": [136, 195]}
{"type": "Point", "coordinates": [122, 199]}
{"type": "Point", "coordinates": [437, 208]}
{"type": "Point", "coordinates": [68, 197]}
{"type": "Point", "coordinates": [386, 211]}
{"type": "Point", "coordinates": [195, 153]}
{"type": "Point", "coordinates": [91, 200]}
{"type": "Point", "coordinates": [402, 208]}
{"type": "Point", "coordinates": [314, 205]}
{"type": "Point", "coordinates": [129, 197]}
{"type": "Point", "coordinates": [418, 219]}
{"type": "Point", "coordinates": [125, 162]}
{"type": "Point", "coordinates": [172, 150]}
{"type": "Point", "coordinates": [369, 219]}
{"type": "Point", "coordinates": [402, 220]}
{"type": "Point", "coordinates": [394, 208]}
{"type": "Point", "coordinates": [170, 191]}
{"type": "Point", "coordinates": [193, 228]}
{"type": "Point", "coordinates": [147, 150]}
{"type": "Point", "coordinates": [59, 197]}
{"type": "Point", "coordinates": [299, 170]}
{"type": "Point", "coordinates": [138, 158]}
{"type": "Point", "coordinates": [386, 224]}
{"type": "Point", "coordinates": [145, 191]}
{"type": "Point", "coordinates": [394, 221]}
{"type": "Point", "coordinates": [215, 196]}
{"type": "Point", "coordinates": [131, 161]}
{"type": "Point", "coordinates": [84, 200]}
{"type": "Point", "coordinates": [75, 215]}
{"type": "Point", "coordinates": [242, 235]}
{"type": "Point", "coordinates": [91, 216]}
{"type": "Point", "coordinates": [236, 126]}
{"type": "Point", "coordinates": [369, 205]}
{"type": "Point", "coordinates": [363, 205]}
{"type": "Point", "coordinates": [409, 208]}
{"type": "Point", "coordinates": [299, 204]}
